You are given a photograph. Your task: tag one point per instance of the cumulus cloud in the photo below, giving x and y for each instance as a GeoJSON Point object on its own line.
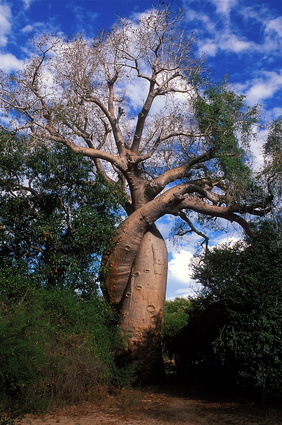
{"type": "Point", "coordinates": [261, 88]}
{"type": "Point", "coordinates": [193, 15]}
{"type": "Point", "coordinates": [225, 41]}
{"type": "Point", "coordinates": [275, 25]}
{"type": "Point", "coordinates": [230, 238]}
{"type": "Point", "coordinates": [224, 6]}
{"type": "Point", "coordinates": [209, 47]}
{"type": "Point", "coordinates": [180, 283]}
{"type": "Point", "coordinates": [28, 28]}
{"type": "Point", "coordinates": [217, 35]}
{"type": "Point", "coordinates": [233, 43]}
{"type": "Point", "coordinates": [275, 113]}
{"type": "Point", "coordinates": [5, 23]}
{"type": "Point", "coordinates": [219, 32]}
{"type": "Point", "coordinates": [9, 62]}
{"type": "Point", "coordinates": [256, 147]}
{"type": "Point", "coordinates": [35, 27]}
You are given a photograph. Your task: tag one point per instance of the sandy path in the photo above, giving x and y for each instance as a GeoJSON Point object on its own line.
{"type": "Point", "coordinates": [148, 408]}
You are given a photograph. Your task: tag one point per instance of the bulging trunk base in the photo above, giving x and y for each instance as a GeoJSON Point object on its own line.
{"type": "Point", "coordinates": [142, 306]}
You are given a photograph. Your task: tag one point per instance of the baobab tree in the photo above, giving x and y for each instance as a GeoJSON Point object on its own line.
{"type": "Point", "coordinates": [135, 102]}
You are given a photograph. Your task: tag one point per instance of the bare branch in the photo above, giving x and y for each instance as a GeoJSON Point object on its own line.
{"type": "Point", "coordinates": [187, 220]}
{"type": "Point", "coordinates": [109, 113]}
{"type": "Point", "coordinates": [91, 153]}
{"type": "Point", "coordinates": [169, 176]}
{"type": "Point", "coordinates": [142, 118]}
{"type": "Point", "coordinates": [200, 206]}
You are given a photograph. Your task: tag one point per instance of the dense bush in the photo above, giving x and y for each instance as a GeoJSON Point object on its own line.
{"type": "Point", "coordinates": [58, 347]}
{"type": "Point", "coordinates": [176, 314]}
{"type": "Point", "coordinates": [235, 328]}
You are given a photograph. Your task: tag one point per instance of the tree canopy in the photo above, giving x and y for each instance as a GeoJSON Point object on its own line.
{"type": "Point", "coordinates": [85, 94]}
{"type": "Point", "coordinates": [48, 194]}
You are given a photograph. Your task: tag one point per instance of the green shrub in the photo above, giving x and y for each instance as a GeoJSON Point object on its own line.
{"type": "Point", "coordinates": [234, 333]}
{"type": "Point", "coordinates": [57, 347]}
{"type": "Point", "coordinates": [176, 314]}
{"type": "Point", "coordinates": [22, 359]}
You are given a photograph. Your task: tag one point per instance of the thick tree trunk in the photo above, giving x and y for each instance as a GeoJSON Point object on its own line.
{"type": "Point", "coordinates": [142, 305]}
{"type": "Point", "coordinates": [133, 278]}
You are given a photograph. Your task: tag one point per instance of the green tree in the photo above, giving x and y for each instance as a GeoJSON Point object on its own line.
{"type": "Point", "coordinates": [56, 348]}
{"type": "Point", "coordinates": [178, 148]}
{"type": "Point", "coordinates": [236, 330]}
{"type": "Point", "coordinates": [272, 172]}
{"type": "Point", "coordinates": [273, 150]}
{"type": "Point", "coordinates": [176, 316]}
{"type": "Point", "coordinates": [48, 197]}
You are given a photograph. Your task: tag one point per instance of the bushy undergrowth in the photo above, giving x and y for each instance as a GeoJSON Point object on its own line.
{"type": "Point", "coordinates": [232, 340]}
{"type": "Point", "coordinates": [176, 314]}
{"type": "Point", "coordinates": [55, 347]}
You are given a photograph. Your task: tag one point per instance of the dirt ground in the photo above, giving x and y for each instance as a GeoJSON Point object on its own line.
{"type": "Point", "coordinates": [151, 407]}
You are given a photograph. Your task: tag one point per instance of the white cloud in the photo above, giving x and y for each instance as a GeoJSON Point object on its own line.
{"type": "Point", "coordinates": [27, 28]}
{"type": "Point", "coordinates": [179, 265]}
{"type": "Point", "coordinates": [225, 41]}
{"type": "Point", "coordinates": [212, 38]}
{"type": "Point", "coordinates": [27, 3]}
{"type": "Point", "coordinates": [276, 112]}
{"type": "Point", "coordinates": [179, 282]}
{"type": "Point", "coordinates": [252, 14]}
{"type": "Point", "coordinates": [275, 25]}
{"type": "Point", "coordinates": [208, 23]}
{"type": "Point", "coordinates": [256, 148]}
{"type": "Point", "coordinates": [224, 6]}
{"type": "Point", "coordinates": [263, 87]}
{"type": "Point", "coordinates": [218, 33]}
{"type": "Point", "coordinates": [5, 24]}
{"type": "Point", "coordinates": [165, 224]}
{"type": "Point", "coordinates": [9, 62]}
{"type": "Point", "coordinates": [228, 238]}
{"type": "Point", "coordinates": [36, 26]}
{"type": "Point", "coordinates": [136, 90]}
{"type": "Point", "coordinates": [233, 43]}
{"type": "Point", "coordinates": [260, 91]}
{"type": "Point", "coordinates": [209, 47]}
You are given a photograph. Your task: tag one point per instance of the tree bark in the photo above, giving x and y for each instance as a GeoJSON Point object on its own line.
{"type": "Point", "coordinates": [141, 308]}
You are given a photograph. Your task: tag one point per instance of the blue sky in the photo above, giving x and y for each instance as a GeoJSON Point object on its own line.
{"type": "Point", "coordinates": [241, 38]}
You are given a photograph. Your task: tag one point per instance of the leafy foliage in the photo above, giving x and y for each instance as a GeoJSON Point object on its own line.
{"type": "Point", "coordinates": [223, 116]}
{"type": "Point", "coordinates": [176, 315]}
{"type": "Point", "coordinates": [234, 332]}
{"type": "Point", "coordinates": [56, 216]}
{"type": "Point", "coordinates": [273, 145]}
{"type": "Point", "coordinates": [273, 160]}
{"type": "Point", "coordinates": [56, 346]}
